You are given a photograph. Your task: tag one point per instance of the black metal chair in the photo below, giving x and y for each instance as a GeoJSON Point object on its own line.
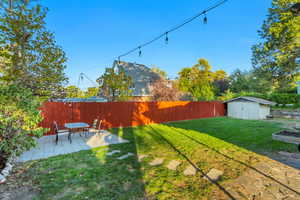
{"type": "Point", "coordinates": [60, 132]}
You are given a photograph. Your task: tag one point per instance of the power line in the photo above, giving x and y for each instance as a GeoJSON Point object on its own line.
{"type": "Point", "coordinates": [166, 33]}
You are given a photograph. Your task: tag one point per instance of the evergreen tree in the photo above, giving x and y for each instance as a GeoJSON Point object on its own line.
{"type": "Point", "coordinates": [276, 58]}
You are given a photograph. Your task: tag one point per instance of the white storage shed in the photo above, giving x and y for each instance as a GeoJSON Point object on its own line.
{"type": "Point", "coordinates": [248, 108]}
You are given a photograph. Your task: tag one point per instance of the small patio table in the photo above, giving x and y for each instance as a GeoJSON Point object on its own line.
{"type": "Point", "coordinates": [75, 126]}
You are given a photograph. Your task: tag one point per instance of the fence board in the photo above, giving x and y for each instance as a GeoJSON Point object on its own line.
{"type": "Point", "coordinates": [124, 114]}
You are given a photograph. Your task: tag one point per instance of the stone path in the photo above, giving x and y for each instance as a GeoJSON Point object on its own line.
{"type": "Point", "coordinates": [213, 175]}
{"type": "Point", "coordinates": [173, 165]}
{"type": "Point", "coordinates": [47, 148]}
{"type": "Point", "coordinates": [157, 161]}
{"type": "Point", "coordinates": [268, 180]}
{"type": "Point", "coordinates": [141, 157]}
{"type": "Point", "coordinates": [190, 171]}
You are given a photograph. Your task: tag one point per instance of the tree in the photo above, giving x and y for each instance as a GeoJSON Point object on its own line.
{"type": "Point", "coordinates": [32, 57]}
{"type": "Point", "coordinates": [160, 72]}
{"type": "Point", "coordinates": [197, 80]}
{"type": "Point", "coordinates": [115, 85]}
{"type": "Point", "coordinates": [221, 82]}
{"type": "Point", "coordinates": [19, 121]}
{"type": "Point", "coordinates": [165, 90]}
{"type": "Point", "coordinates": [91, 92]}
{"type": "Point", "coordinates": [277, 57]}
{"type": "Point", "coordinates": [248, 81]}
{"type": "Point", "coordinates": [73, 92]}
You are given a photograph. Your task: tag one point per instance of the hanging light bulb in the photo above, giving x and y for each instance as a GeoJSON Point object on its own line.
{"type": "Point", "coordinates": [205, 20]}
{"type": "Point", "coordinates": [119, 62]}
{"type": "Point", "coordinates": [167, 38]}
{"type": "Point", "coordinates": [140, 52]}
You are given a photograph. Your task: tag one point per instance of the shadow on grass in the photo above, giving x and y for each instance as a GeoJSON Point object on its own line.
{"type": "Point", "coordinates": [90, 174]}
{"type": "Point", "coordinates": [176, 126]}
{"type": "Point", "coordinates": [191, 163]}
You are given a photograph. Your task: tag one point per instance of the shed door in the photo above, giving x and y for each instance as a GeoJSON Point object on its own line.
{"type": "Point", "coordinates": [247, 110]}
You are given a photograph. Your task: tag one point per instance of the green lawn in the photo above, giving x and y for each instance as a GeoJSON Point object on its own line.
{"type": "Point", "coordinates": [222, 143]}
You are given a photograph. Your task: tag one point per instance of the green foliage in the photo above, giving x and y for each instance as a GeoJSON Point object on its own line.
{"type": "Point", "coordinates": [277, 57]}
{"type": "Point", "coordinates": [279, 98]}
{"type": "Point", "coordinates": [197, 81]}
{"type": "Point", "coordinates": [73, 92]}
{"type": "Point", "coordinates": [226, 96]}
{"type": "Point", "coordinates": [115, 85]}
{"type": "Point", "coordinates": [29, 55]}
{"type": "Point", "coordinates": [91, 92]}
{"type": "Point", "coordinates": [19, 119]}
{"type": "Point", "coordinates": [247, 81]}
{"type": "Point", "coordinates": [160, 72]}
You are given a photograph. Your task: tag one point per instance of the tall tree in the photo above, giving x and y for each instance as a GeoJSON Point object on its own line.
{"type": "Point", "coordinates": [115, 85]}
{"type": "Point", "coordinates": [197, 80]}
{"type": "Point", "coordinates": [248, 81]}
{"type": "Point", "coordinates": [221, 82]}
{"type": "Point", "coordinates": [277, 56]}
{"type": "Point", "coordinates": [32, 57]}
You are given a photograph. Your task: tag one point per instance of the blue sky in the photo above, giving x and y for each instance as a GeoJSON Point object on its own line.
{"type": "Point", "coordinates": [93, 32]}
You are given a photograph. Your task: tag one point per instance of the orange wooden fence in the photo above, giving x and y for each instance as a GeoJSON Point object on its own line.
{"type": "Point", "coordinates": [124, 114]}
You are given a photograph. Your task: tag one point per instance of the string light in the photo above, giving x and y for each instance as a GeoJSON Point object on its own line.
{"type": "Point", "coordinates": [140, 52]}
{"type": "Point", "coordinates": [205, 18]}
{"type": "Point", "coordinates": [165, 34]}
{"type": "Point", "coordinates": [167, 38]}
{"type": "Point", "coordinates": [119, 61]}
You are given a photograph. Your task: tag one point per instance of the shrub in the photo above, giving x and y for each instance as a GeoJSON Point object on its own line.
{"type": "Point", "coordinates": [19, 119]}
{"type": "Point", "coordinates": [226, 96]}
{"type": "Point", "coordinates": [279, 98]}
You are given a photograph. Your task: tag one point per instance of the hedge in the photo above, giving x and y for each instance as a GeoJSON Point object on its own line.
{"type": "Point", "coordinates": [279, 98]}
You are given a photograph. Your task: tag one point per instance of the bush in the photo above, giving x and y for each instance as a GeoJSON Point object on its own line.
{"type": "Point", "coordinates": [279, 98]}
{"type": "Point", "coordinates": [19, 119]}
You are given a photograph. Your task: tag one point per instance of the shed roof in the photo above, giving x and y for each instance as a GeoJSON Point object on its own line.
{"type": "Point", "coordinates": [253, 99]}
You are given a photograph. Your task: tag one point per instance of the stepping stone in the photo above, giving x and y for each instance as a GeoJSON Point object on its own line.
{"type": "Point", "coordinates": [173, 164]}
{"type": "Point", "coordinates": [190, 171]}
{"type": "Point", "coordinates": [113, 152]}
{"type": "Point", "coordinates": [125, 156]}
{"type": "Point", "coordinates": [157, 161]}
{"type": "Point", "coordinates": [142, 156]}
{"type": "Point", "coordinates": [213, 175]}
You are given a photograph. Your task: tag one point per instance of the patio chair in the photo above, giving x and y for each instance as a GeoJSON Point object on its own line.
{"type": "Point", "coordinates": [95, 128]}
{"type": "Point", "coordinates": [60, 132]}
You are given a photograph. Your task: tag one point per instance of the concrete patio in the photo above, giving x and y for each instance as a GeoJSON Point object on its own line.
{"type": "Point", "coordinates": [47, 148]}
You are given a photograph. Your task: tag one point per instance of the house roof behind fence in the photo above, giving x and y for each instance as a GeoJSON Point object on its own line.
{"type": "Point", "coordinates": [142, 76]}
